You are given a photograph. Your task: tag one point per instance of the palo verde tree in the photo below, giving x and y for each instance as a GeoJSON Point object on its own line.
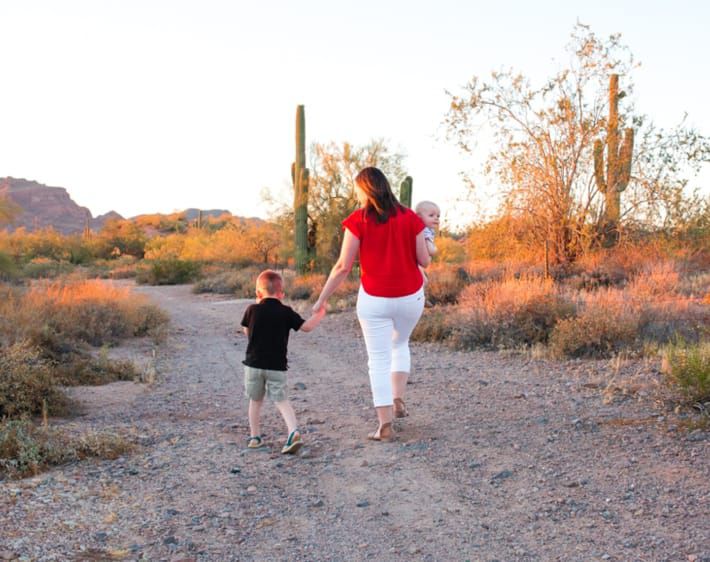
{"type": "Point", "coordinates": [331, 195]}
{"type": "Point", "coordinates": [543, 138]}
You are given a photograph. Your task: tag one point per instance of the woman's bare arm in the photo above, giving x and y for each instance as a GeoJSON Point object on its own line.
{"type": "Point", "coordinates": [341, 269]}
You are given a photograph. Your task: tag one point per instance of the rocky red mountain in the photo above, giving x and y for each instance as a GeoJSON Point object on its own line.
{"type": "Point", "coordinates": [43, 206]}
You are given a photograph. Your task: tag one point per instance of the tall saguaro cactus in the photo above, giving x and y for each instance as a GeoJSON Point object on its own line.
{"type": "Point", "coordinates": [405, 192]}
{"type": "Point", "coordinates": [299, 176]}
{"type": "Point", "coordinates": [618, 165]}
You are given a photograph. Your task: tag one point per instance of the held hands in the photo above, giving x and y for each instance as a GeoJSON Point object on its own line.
{"type": "Point", "coordinates": [318, 308]}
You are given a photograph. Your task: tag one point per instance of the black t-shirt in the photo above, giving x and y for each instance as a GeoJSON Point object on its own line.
{"type": "Point", "coordinates": [269, 324]}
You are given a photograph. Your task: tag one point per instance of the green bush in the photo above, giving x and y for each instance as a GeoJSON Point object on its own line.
{"type": "Point", "coordinates": [43, 268]}
{"type": "Point", "coordinates": [27, 383]}
{"type": "Point", "coordinates": [8, 269]}
{"type": "Point", "coordinates": [687, 367]}
{"type": "Point", "coordinates": [168, 272]}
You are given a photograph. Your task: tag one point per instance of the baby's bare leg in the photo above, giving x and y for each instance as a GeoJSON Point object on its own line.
{"type": "Point", "coordinates": [254, 417]}
{"type": "Point", "coordinates": [288, 414]}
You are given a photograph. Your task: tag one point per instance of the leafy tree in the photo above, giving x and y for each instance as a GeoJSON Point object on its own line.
{"type": "Point", "coordinates": [119, 237]}
{"type": "Point", "coordinates": [332, 188]}
{"type": "Point", "coordinates": [544, 139]}
{"type": "Point", "coordinates": [263, 241]}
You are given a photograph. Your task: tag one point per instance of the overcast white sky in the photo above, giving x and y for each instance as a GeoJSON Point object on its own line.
{"type": "Point", "coordinates": [159, 105]}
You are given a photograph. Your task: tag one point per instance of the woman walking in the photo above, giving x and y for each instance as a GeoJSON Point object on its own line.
{"type": "Point", "coordinates": [389, 239]}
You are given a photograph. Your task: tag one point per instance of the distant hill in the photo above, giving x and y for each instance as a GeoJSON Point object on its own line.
{"type": "Point", "coordinates": [43, 206]}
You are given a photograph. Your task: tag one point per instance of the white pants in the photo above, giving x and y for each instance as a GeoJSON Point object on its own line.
{"type": "Point", "coordinates": [387, 324]}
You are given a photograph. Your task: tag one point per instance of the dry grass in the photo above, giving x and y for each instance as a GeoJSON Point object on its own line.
{"type": "Point", "coordinates": [27, 449]}
{"type": "Point", "coordinates": [687, 368]}
{"type": "Point", "coordinates": [508, 313]}
{"type": "Point", "coordinates": [87, 311]}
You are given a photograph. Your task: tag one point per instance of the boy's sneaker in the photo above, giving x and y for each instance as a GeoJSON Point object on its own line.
{"type": "Point", "coordinates": [293, 443]}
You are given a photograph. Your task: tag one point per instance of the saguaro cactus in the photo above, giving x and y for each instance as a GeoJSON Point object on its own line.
{"type": "Point", "coordinates": [299, 176]}
{"type": "Point", "coordinates": [618, 165]}
{"type": "Point", "coordinates": [405, 192]}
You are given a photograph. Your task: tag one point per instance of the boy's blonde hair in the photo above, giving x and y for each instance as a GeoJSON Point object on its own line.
{"type": "Point", "coordinates": [270, 282]}
{"type": "Point", "coordinates": [422, 205]}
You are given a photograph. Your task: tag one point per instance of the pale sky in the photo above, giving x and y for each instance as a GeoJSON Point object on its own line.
{"type": "Point", "coordinates": [160, 105]}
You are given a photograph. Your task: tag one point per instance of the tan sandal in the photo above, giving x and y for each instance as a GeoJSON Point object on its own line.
{"type": "Point", "coordinates": [400, 410]}
{"type": "Point", "coordinates": [384, 433]}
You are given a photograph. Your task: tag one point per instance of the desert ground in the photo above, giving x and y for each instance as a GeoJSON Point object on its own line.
{"type": "Point", "coordinates": [504, 456]}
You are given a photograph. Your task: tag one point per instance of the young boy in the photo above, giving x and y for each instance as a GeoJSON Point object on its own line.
{"type": "Point", "coordinates": [267, 324]}
{"type": "Point", "coordinates": [429, 213]}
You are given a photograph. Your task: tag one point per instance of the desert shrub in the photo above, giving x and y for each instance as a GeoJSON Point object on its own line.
{"type": "Point", "coordinates": [486, 270]}
{"type": "Point", "coordinates": [45, 268]}
{"type": "Point", "coordinates": [445, 284]}
{"type": "Point", "coordinates": [512, 312]}
{"type": "Point", "coordinates": [687, 368]}
{"type": "Point", "coordinates": [308, 287]}
{"type": "Point", "coordinates": [168, 272]}
{"type": "Point", "coordinates": [604, 325]}
{"type": "Point", "coordinates": [226, 283]}
{"type": "Point", "coordinates": [8, 269]}
{"type": "Point", "coordinates": [56, 315]}
{"type": "Point", "coordinates": [26, 449]}
{"type": "Point", "coordinates": [305, 287]}
{"type": "Point", "coordinates": [436, 324]}
{"type": "Point", "coordinates": [81, 369]}
{"type": "Point", "coordinates": [656, 279]}
{"type": "Point", "coordinates": [27, 383]}
{"type": "Point", "coordinates": [450, 250]}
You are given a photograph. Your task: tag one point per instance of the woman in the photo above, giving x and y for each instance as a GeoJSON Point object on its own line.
{"type": "Point", "coordinates": [389, 239]}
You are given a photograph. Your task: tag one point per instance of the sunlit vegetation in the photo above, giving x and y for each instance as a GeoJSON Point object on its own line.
{"type": "Point", "coordinates": [54, 334]}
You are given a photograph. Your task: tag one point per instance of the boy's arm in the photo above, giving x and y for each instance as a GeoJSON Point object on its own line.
{"type": "Point", "coordinates": [313, 321]}
{"type": "Point", "coordinates": [245, 330]}
{"type": "Point", "coordinates": [431, 248]}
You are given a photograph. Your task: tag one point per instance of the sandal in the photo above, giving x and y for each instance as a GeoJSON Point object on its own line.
{"type": "Point", "coordinates": [293, 443]}
{"type": "Point", "coordinates": [400, 410]}
{"type": "Point", "coordinates": [255, 442]}
{"type": "Point", "coordinates": [383, 433]}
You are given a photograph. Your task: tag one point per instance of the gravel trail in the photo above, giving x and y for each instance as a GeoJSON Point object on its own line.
{"type": "Point", "coordinates": [503, 457]}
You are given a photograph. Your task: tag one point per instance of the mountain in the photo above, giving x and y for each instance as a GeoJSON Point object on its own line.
{"type": "Point", "coordinates": [43, 206]}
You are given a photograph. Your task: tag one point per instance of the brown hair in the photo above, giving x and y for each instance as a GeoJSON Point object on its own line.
{"type": "Point", "coordinates": [381, 202]}
{"type": "Point", "coordinates": [270, 282]}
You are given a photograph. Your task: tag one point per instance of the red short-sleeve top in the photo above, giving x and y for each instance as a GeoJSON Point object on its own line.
{"type": "Point", "coordinates": [388, 252]}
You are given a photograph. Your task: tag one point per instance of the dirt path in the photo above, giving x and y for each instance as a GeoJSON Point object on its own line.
{"type": "Point", "coordinates": [502, 458]}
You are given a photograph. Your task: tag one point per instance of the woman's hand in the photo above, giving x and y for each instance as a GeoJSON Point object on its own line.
{"type": "Point", "coordinates": [318, 306]}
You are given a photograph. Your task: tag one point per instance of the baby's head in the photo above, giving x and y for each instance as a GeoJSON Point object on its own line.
{"type": "Point", "coordinates": [429, 212]}
{"type": "Point", "coordinates": [269, 284]}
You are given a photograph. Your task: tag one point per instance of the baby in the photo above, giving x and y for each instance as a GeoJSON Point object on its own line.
{"type": "Point", "coordinates": [429, 213]}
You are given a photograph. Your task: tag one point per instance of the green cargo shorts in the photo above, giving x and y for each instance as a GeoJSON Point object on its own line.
{"type": "Point", "coordinates": [258, 382]}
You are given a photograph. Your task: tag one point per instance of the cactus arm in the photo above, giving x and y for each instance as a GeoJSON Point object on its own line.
{"type": "Point", "coordinates": [625, 157]}
{"type": "Point", "coordinates": [405, 192]}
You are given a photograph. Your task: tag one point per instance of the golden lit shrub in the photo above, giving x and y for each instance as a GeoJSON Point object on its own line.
{"type": "Point", "coordinates": [512, 312]}
{"type": "Point", "coordinates": [444, 284]}
{"type": "Point", "coordinates": [449, 250]}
